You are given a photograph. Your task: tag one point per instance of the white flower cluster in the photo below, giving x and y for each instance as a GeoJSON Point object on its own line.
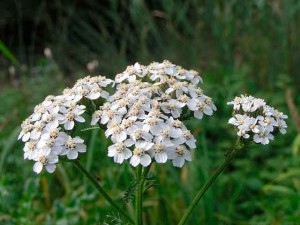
{"type": "Point", "coordinates": [46, 132]}
{"type": "Point", "coordinates": [255, 120]}
{"type": "Point", "coordinates": [143, 116]}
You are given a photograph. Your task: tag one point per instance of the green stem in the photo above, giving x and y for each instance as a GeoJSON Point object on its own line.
{"type": "Point", "coordinates": [139, 197]}
{"type": "Point", "coordinates": [211, 180]}
{"type": "Point", "coordinates": [141, 176]}
{"type": "Point", "coordinates": [101, 190]}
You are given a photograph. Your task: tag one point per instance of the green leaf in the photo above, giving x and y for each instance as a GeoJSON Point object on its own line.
{"type": "Point", "coordinates": [296, 145]}
{"type": "Point", "coordinates": [7, 53]}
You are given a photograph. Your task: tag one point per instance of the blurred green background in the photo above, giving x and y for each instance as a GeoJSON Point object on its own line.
{"type": "Point", "coordinates": [238, 47]}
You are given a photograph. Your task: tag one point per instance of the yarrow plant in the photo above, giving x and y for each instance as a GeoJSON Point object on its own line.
{"type": "Point", "coordinates": [255, 120]}
{"type": "Point", "coordinates": [142, 112]}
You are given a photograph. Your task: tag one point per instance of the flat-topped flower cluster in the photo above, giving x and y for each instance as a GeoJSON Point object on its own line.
{"type": "Point", "coordinates": [143, 117]}
{"type": "Point", "coordinates": [255, 120]}
{"type": "Point", "coordinates": [146, 111]}
{"type": "Point", "coordinates": [47, 132]}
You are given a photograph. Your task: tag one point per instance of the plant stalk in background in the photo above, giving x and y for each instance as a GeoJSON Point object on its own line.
{"type": "Point", "coordinates": [229, 157]}
{"type": "Point", "coordinates": [101, 190]}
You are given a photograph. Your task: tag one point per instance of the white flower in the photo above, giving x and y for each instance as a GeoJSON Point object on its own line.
{"type": "Point", "coordinates": [159, 152]}
{"type": "Point", "coordinates": [49, 161]}
{"type": "Point", "coordinates": [236, 103]}
{"type": "Point", "coordinates": [39, 110]}
{"type": "Point", "coordinates": [152, 123]}
{"type": "Point", "coordinates": [187, 138]}
{"type": "Point", "coordinates": [119, 151]}
{"type": "Point", "coordinates": [52, 141]}
{"type": "Point", "coordinates": [138, 132]}
{"type": "Point", "coordinates": [238, 120]}
{"type": "Point", "coordinates": [119, 106]}
{"type": "Point", "coordinates": [263, 136]}
{"type": "Point", "coordinates": [30, 150]}
{"type": "Point", "coordinates": [116, 132]}
{"type": "Point", "coordinates": [179, 155]}
{"type": "Point", "coordinates": [71, 115]}
{"type": "Point", "coordinates": [37, 130]}
{"type": "Point", "coordinates": [179, 89]}
{"type": "Point", "coordinates": [110, 116]}
{"type": "Point", "coordinates": [200, 107]}
{"type": "Point", "coordinates": [96, 117]}
{"type": "Point", "coordinates": [164, 134]}
{"type": "Point", "coordinates": [251, 123]}
{"type": "Point", "coordinates": [25, 133]}
{"type": "Point", "coordinates": [193, 76]}
{"type": "Point", "coordinates": [267, 122]}
{"type": "Point", "coordinates": [173, 107]}
{"type": "Point", "coordinates": [282, 126]}
{"type": "Point", "coordinates": [96, 92]}
{"type": "Point", "coordinates": [52, 119]}
{"type": "Point", "coordinates": [139, 154]}
{"type": "Point", "coordinates": [72, 146]}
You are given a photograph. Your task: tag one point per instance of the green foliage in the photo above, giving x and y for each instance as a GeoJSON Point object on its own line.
{"type": "Point", "coordinates": [7, 53]}
{"type": "Point", "coordinates": [239, 47]}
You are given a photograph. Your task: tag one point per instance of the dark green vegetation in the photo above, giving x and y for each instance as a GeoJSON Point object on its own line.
{"type": "Point", "coordinates": [238, 46]}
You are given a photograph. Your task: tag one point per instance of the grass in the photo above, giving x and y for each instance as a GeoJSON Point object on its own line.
{"type": "Point", "coordinates": [228, 44]}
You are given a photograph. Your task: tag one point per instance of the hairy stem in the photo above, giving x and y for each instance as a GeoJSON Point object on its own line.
{"type": "Point", "coordinates": [211, 180]}
{"type": "Point", "coordinates": [101, 190]}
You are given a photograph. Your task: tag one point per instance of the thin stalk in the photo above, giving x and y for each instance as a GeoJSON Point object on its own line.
{"type": "Point", "coordinates": [139, 197]}
{"type": "Point", "coordinates": [101, 190]}
{"type": "Point", "coordinates": [141, 176]}
{"type": "Point", "coordinates": [211, 180]}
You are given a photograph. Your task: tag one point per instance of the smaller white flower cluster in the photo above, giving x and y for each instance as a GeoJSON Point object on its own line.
{"type": "Point", "coordinates": [255, 120]}
{"type": "Point", "coordinates": [143, 116]}
{"type": "Point", "coordinates": [46, 132]}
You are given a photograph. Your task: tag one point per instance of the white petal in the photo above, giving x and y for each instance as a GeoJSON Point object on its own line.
{"type": "Point", "coordinates": [176, 133]}
{"type": "Point", "coordinates": [104, 94]}
{"type": "Point", "coordinates": [94, 121]}
{"type": "Point", "coordinates": [256, 139]}
{"type": "Point", "coordinates": [112, 151]}
{"type": "Point", "coordinates": [198, 114]}
{"type": "Point", "coordinates": [187, 155]}
{"type": "Point", "coordinates": [161, 157]}
{"type": "Point", "coordinates": [26, 137]}
{"type": "Point", "coordinates": [119, 158]}
{"type": "Point", "coordinates": [104, 119]}
{"type": "Point", "coordinates": [53, 159]}
{"type": "Point", "coordinates": [208, 111]}
{"type": "Point", "coordinates": [178, 162]}
{"type": "Point", "coordinates": [128, 142]}
{"type": "Point", "coordinates": [69, 125]}
{"type": "Point", "coordinates": [122, 111]}
{"type": "Point", "coordinates": [192, 104]}
{"type": "Point", "coordinates": [81, 148]}
{"type": "Point", "coordinates": [175, 113]}
{"type": "Point", "coordinates": [79, 119]}
{"type": "Point", "coordinates": [134, 160]}
{"type": "Point", "coordinates": [191, 143]}
{"type": "Point", "coordinates": [37, 167]}
{"type": "Point", "coordinates": [50, 168]}
{"type": "Point", "coordinates": [127, 153]}
{"type": "Point", "coordinates": [72, 154]}
{"type": "Point", "coordinates": [145, 160]}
